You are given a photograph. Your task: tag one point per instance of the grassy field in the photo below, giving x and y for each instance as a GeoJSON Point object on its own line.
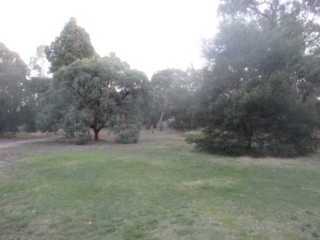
{"type": "Point", "coordinates": [158, 189]}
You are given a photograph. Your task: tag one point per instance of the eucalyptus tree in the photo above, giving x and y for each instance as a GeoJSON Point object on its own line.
{"type": "Point", "coordinates": [13, 72]}
{"type": "Point", "coordinates": [173, 89]}
{"type": "Point", "coordinates": [95, 93]}
{"type": "Point", "coordinates": [262, 75]}
{"type": "Point", "coordinates": [72, 44]}
{"type": "Point", "coordinates": [39, 64]}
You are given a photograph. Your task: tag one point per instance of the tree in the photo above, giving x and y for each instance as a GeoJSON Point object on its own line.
{"type": "Point", "coordinates": [134, 107]}
{"type": "Point", "coordinates": [13, 73]}
{"type": "Point", "coordinates": [39, 64]}
{"type": "Point", "coordinates": [94, 93]}
{"type": "Point", "coordinates": [32, 92]}
{"type": "Point", "coordinates": [261, 78]}
{"type": "Point", "coordinates": [72, 44]}
{"type": "Point", "coordinates": [173, 90]}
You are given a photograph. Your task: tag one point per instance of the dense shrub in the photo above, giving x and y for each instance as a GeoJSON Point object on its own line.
{"type": "Point", "coordinates": [127, 135]}
{"type": "Point", "coordinates": [83, 138]}
{"type": "Point", "coordinates": [235, 146]}
{"type": "Point", "coordinates": [223, 144]}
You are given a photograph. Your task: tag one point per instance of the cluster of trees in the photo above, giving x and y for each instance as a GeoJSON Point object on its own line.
{"type": "Point", "coordinates": [261, 88]}
{"type": "Point", "coordinates": [174, 91]}
{"type": "Point", "coordinates": [257, 94]}
{"type": "Point", "coordinates": [18, 96]}
{"type": "Point", "coordinates": [85, 91]}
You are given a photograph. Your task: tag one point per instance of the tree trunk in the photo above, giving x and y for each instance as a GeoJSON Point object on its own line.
{"type": "Point", "coordinates": [96, 134]}
{"type": "Point", "coordinates": [160, 122]}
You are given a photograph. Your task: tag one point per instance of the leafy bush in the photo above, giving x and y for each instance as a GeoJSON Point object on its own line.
{"type": "Point", "coordinates": [218, 143]}
{"type": "Point", "coordinates": [194, 137]}
{"type": "Point", "coordinates": [127, 135]}
{"type": "Point", "coordinates": [230, 144]}
{"type": "Point", "coordinates": [83, 138]}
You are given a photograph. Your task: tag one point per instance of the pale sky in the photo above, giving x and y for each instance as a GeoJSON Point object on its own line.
{"type": "Point", "coordinates": [150, 35]}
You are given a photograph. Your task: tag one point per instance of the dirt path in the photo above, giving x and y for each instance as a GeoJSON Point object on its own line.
{"type": "Point", "coordinates": [12, 149]}
{"type": "Point", "coordinates": [16, 143]}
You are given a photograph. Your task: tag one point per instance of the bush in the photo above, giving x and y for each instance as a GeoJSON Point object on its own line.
{"type": "Point", "coordinates": [83, 138]}
{"type": "Point", "coordinates": [194, 137]}
{"type": "Point", "coordinates": [230, 144]}
{"type": "Point", "coordinates": [127, 135]}
{"type": "Point", "coordinates": [226, 145]}
{"type": "Point", "coordinates": [218, 143]}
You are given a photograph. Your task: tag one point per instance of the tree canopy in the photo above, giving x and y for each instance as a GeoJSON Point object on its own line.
{"type": "Point", "coordinates": [72, 44]}
{"type": "Point", "coordinates": [262, 75]}
{"type": "Point", "coordinates": [91, 92]}
{"type": "Point", "coordinates": [99, 93]}
{"type": "Point", "coordinates": [39, 64]}
{"type": "Point", "coordinates": [174, 89]}
{"type": "Point", "coordinates": [13, 72]}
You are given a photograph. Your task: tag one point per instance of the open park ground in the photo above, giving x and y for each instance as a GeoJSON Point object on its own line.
{"type": "Point", "coordinates": [160, 188]}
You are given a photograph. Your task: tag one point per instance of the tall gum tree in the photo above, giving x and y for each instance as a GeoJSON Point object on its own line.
{"type": "Point", "coordinates": [13, 72]}
{"type": "Point", "coordinates": [72, 44]}
{"type": "Point", "coordinates": [262, 75]}
{"type": "Point", "coordinates": [173, 90]}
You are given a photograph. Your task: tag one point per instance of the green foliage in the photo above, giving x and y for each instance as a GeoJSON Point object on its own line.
{"type": "Point", "coordinates": [223, 143]}
{"type": "Point", "coordinates": [33, 91]}
{"type": "Point", "coordinates": [174, 91]}
{"type": "Point", "coordinates": [51, 110]}
{"type": "Point", "coordinates": [72, 44]}
{"type": "Point", "coordinates": [91, 92]}
{"type": "Point", "coordinates": [258, 96]}
{"type": "Point", "coordinates": [13, 72]}
{"type": "Point", "coordinates": [99, 92]}
{"type": "Point", "coordinates": [127, 134]}
{"type": "Point", "coordinates": [194, 137]}
{"type": "Point", "coordinates": [76, 124]}
{"type": "Point", "coordinates": [134, 109]}
{"type": "Point", "coordinates": [83, 137]}
{"type": "Point", "coordinates": [39, 64]}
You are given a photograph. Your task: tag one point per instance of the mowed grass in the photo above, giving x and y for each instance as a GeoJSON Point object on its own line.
{"type": "Point", "coordinates": [159, 189]}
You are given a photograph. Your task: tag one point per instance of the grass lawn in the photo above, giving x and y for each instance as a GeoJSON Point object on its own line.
{"type": "Point", "coordinates": [158, 189]}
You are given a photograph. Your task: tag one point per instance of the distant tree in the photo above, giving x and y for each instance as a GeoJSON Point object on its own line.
{"type": "Point", "coordinates": [133, 107]}
{"type": "Point", "coordinates": [33, 90]}
{"type": "Point", "coordinates": [262, 78]}
{"type": "Point", "coordinates": [39, 64]}
{"type": "Point", "coordinates": [13, 72]}
{"type": "Point", "coordinates": [95, 93]}
{"type": "Point", "coordinates": [173, 90]}
{"type": "Point", "coordinates": [72, 44]}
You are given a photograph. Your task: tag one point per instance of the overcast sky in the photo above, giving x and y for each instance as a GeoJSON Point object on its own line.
{"type": "Point", "coordinates": [149, 34]}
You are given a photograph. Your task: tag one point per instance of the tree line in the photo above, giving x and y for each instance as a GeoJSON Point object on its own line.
{"type": "Point", "coordinates": [257, 94]}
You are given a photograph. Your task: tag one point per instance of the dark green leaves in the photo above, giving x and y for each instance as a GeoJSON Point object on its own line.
{"type": "Point", "coordinates": [260, 97]}
{"type": "Point", "coordinates": [13, 73]}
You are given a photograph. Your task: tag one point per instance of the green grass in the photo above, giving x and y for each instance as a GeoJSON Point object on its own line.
{"type": "Point", "coordinates": [159, 189]}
